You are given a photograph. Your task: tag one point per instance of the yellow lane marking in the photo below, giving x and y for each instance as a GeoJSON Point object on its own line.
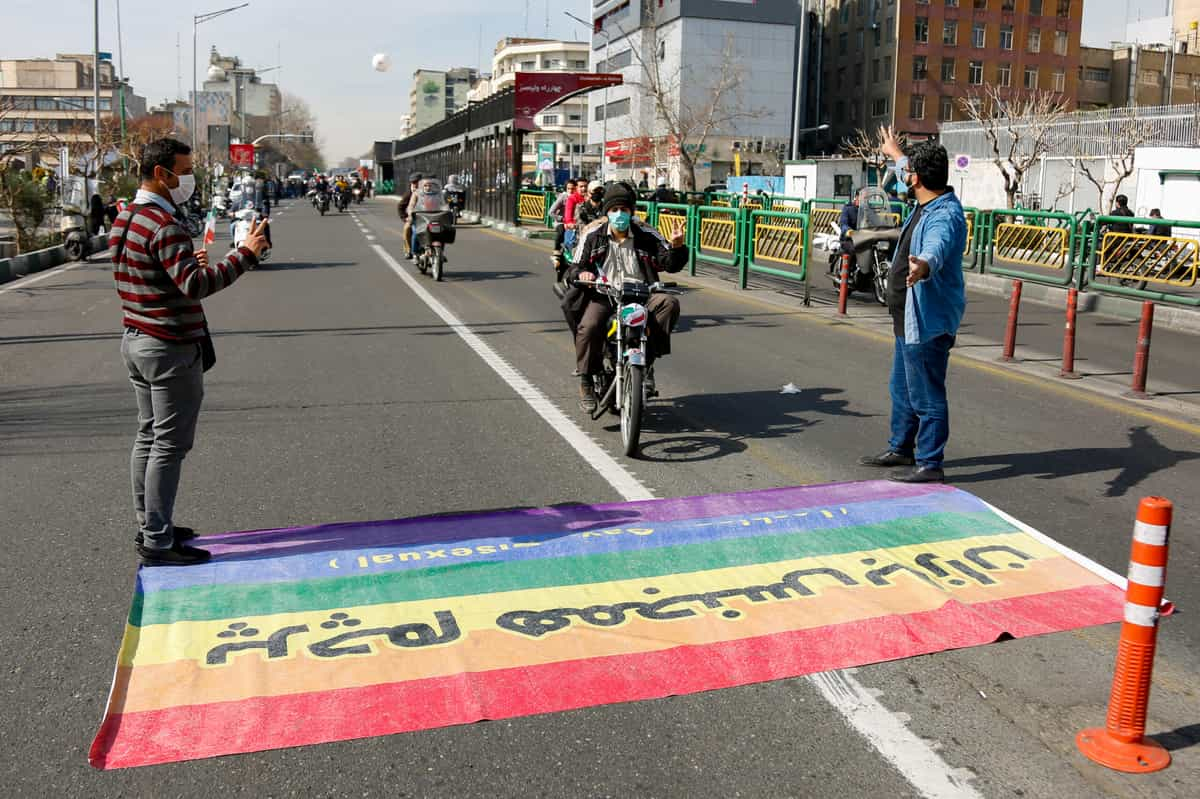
{"type": "Point", "coordinates": [1096, 400]}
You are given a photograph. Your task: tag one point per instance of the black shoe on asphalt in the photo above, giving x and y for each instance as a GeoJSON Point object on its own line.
{"type": "Point", "coordinates": [924, 474]}
{"type": "Point", "coordinates": [181, 534]}
{"type": "Point", "coordinates": [886, 459]}
{"type": "Point", "coordinates": [178, 555]}
{"type": "Point", "coordinates": [587, 398]}
{"type": "Point", "coordinates": [408, 256]}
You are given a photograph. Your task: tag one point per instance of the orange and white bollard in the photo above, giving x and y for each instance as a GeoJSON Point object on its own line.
{"type": "Point", "coordinates": [844, 288]}
{"type": "Point", "coordinates": [1010, 330]}
{"type": "Point", "coordinates": [1122, 743]}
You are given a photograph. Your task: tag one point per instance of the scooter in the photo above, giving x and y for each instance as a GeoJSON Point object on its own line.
{"type": "Point", "coordinates": [241, 229]}
{"type": "Point", "coordinates": [434, 230]}
{"type": "Point", "coordinates": [74, 233]}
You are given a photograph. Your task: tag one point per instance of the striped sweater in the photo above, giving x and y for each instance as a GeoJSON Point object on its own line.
{"type": "Point", "coordinates": [158, 278]}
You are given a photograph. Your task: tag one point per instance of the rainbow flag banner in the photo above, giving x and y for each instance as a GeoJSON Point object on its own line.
{"type": "Point", "coordinates": [327, 633]}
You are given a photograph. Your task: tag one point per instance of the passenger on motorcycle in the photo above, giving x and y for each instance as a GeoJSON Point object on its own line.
{"type": "Point", "coordinates": [848, 222]}
{"type": "Point", "coordinates": [615, 250]}
{"type": "Point", "coordinates": [414, 181]}
{"type": "Point", "coordinates": [428, 198]}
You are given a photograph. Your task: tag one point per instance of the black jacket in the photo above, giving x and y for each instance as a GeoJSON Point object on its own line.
{"type": "Point", "coordinates": [654, 255]}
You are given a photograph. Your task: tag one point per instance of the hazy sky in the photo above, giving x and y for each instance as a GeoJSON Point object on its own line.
{"type": "Point", "coordinates": [325, 46]}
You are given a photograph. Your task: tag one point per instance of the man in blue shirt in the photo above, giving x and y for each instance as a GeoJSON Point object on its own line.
{"type": "Point", "coordinates": [926, 298]}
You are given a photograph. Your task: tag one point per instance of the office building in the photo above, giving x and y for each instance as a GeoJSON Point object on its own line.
{"type": "Point", "coordinates": [437, 94]}
{"type": "Point", "coordinates": [912, 63]}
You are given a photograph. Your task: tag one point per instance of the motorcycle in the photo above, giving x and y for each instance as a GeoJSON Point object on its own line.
{"type": "Point", "coordinates": [342, 200]}
{"type": "Point", "coordinates": [434, 230]}
{"type": "Point", "coordinates": [320, 201]}
{"type": "Point", "coordinates": [220, 205]}
{"type": "Point", "coordinates": [358, 195]}
{"type": "Point", "coordinates": [241, 229]}
{"type": "Point", "coordinates": [872, 261]}
{"type": "Point", "coordinates": [621, 385]}
{"type": "Point", "coordinates": [457, 200]}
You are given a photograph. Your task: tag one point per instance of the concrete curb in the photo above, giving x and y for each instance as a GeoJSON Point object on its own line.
{"type": "Point", "coordinates": [1183, 320]}
{"type": "Point", "coordinates": [1032, 364]}
{"type": "Point", "coordinates": [40, 260]}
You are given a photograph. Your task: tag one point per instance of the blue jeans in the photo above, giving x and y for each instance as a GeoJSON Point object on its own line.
{"type": "Point", "coordinates": [920, 413]}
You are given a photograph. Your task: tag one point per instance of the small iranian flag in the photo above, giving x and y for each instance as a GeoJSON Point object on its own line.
{"type": "Point", "coordinates": [210, 229]}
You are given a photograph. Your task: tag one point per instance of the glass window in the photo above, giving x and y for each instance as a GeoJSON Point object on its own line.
{"type": "Point", "coordinates": [1150, 77]}
{"type": "Point", "coordinates": [950, 32]}
{"type": "Point", "coordinates": [1097, 74]}
{"type": "Point", "coordinates": [1060, 42]}
{"type": "Point", "coordinates": [1006, 37]}
{"type": "Point", "coordinates": [946, 110]}
{"type": "Point", "coordinates": [1004, 75]}
{"type": "Point", "coordinates": [858, 74]}
{"type": "Point", "coordinates": [921, 30]}
{"type": "Point", "coordinates": [887, 67]}
{"type": "Point", "coordinates": [1060, 80]}
{"type": "Point", "coordinates": [952, 3]}
{"type": "Point", "coordinates": [875, 71]}
{"type": "Point", "coordinates": [579, 64]}
{"type": "Point", "coordinates": [947, 70]}
{"type": "Point", "coordinates": [916, 106]}
{"type": "Point", "coordinates": [1035, 7]}
{"type": "Point", "coordinates": [1007, 5]}
{"type": "Point", "coordinates": [46, 104]}
{"type": "Point", "coordinates": [877, 34]}
{"type": "Point", "coordinates": [889, 26]}
{"type": "Point", "coordinates": [549, 119]}
{"type": "Point", "coordinates": [1064, 8]}
{"type": "Point", "coordinates": [975, 73]}
{"type": "Point", "coordinates": [979, 34]}
{"type": "Point", "coordinates": [879, 107]}
{"type": "Point", "coordinates": [843, 43]}
{"type": "Point", "coordinates": [858, 40]}
{"type": "Point", "coordinates": [1035, 40]}
{"type": "Point", "coordinates": [1031, 78]}
{"type": "Point", "coordinates": [618, 109]}
{"type": "Point", "coordinates": [920, 67]}
{"type": "Point", "coordinates": [527, 66]}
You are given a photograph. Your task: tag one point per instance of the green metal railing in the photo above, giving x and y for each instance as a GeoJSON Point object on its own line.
{"type": "Point", "coordinates": [1021, 241]}
{"type": "Point", "coordinates": [1141, 266]}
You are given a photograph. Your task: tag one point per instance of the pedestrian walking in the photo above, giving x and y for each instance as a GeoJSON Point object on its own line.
{"type": "Point", "coordinates": [166, 346]}
{"type": "Point", "coordinates": [926, 299]}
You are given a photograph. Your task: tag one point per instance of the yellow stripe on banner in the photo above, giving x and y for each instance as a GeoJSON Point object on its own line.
{"type": "Point", "coordinates": [197, 640]}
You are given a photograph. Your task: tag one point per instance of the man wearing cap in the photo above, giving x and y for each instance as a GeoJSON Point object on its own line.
{"type": "Point", "coordinates": [615, 250]}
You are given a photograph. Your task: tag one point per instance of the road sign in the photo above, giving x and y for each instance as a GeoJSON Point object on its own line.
{"type": "Point", "coordinates": [241, 154]}
{"type": "Point", "coordinates": [962, 163]}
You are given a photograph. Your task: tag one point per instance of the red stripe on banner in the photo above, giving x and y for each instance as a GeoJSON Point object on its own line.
{"type": "Point", "coordinates": [208, 730]}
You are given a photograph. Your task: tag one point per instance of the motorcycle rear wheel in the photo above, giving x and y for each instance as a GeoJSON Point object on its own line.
{"type": "Point", "coordinates": [879, 281]}
{"type": "Point", "coordinates": [631, 409]}
{"type": "Point", "coordinates": [438, 260]}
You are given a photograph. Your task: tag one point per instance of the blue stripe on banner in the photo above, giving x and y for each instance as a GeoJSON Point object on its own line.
{"type": "Point", "coordinates": [271, 564]}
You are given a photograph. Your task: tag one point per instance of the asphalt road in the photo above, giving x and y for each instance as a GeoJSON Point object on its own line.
{"type": "Point", "coordinates": [340, 395]}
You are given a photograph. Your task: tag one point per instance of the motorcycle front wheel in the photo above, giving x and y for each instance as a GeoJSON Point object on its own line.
{"type": "Point", "coordinates": [880, 281]}
{"type": "Point", "coordinates": [631, 409]}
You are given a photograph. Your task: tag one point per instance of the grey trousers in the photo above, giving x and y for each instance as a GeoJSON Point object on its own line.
{"type": "Point", "coordinates": [168, 381]}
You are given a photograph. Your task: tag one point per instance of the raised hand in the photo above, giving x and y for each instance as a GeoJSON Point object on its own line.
{"type": "Point", "coordinates": [256, 239]}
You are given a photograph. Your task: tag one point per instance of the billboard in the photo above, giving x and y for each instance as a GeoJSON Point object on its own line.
{"type": "Point", "coordinates": [241, 155]}
{"type": "Point", "coordinates": [537, 91]}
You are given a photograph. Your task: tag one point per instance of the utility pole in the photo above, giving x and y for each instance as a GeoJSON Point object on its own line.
{"type": "Point", "coordinates": [96, 80]}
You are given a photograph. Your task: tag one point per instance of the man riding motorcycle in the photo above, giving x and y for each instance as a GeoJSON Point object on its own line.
{"type": "Point", "coordinates": [614, 250]}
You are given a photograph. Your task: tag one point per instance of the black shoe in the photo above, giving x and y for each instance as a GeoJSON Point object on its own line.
{"type": "Point", "coordinates": [648, 384]}
{"type": "Point", "coordinates": [178, 555]}
{"type": "Point", "coordinates": [887, 459]}
{"type": "Point", "coordinates": [408, 256]}
{"type": "Point", "coordinates": [923, 474]}
{"type": "Point", "coordinates": [181, 534]}
{"type": "Point", "coordinates": [587, 397]}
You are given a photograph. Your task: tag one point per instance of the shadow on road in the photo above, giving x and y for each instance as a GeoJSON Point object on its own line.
{"type": "Point", "coordinates": [288, 266]}
{"type": "Point", "coordinates": [704, 427]}
{"type": "Point", "coordinates": [1142, 458]}
{"type": "Point", "coordinates": [479, 277]}
{"type": "Point", "coordinates": [1179, 738]}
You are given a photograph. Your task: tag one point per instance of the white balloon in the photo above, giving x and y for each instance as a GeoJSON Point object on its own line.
{"type": "Point", "coordinates": [382, 62]}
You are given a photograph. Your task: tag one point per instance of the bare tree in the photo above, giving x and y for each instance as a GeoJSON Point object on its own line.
{"type": "Point", "coordinates": [690, 109]}
{"type": "Point", "coordinates": [1112, 153]}
{"type": "Point", "coordinates": [868, 146]}
{"type": "Point", "coordinates": [23, 199]}
{"type": "Point", "coordinates": [1019, 126]}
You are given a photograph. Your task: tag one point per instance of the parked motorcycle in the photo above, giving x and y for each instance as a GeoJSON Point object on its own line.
{"type": "Point", "coordinates": [434, 230]}
{"type": "Point", "coordinates": [871, 261]}
{"type": "Point", "coordinates": [621, 383]}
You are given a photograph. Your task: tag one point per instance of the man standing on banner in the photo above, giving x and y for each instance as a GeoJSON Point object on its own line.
{"type": "Point", "coordinates": [926, 298]}
{"type": "Point", "coordinates": [166, 346]}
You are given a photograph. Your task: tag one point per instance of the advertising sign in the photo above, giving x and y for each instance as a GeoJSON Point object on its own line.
{"type": "Point", "coordinates": [241, 155]}
{"type": "Point", "coordinates": [546, 152]}
{"type": "Point", "coordinates": [537, 91]}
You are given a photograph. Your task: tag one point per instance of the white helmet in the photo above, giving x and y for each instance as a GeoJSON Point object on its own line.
{"type": "Point", "coordinates": [595, 184]}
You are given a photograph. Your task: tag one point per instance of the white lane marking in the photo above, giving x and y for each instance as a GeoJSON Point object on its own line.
{"type": "Point", "coordinates": [898, 745]}
{"type": "Point", "coordinates": [29, 280]}
{"type": "Point", "coordinates": [370, 237]}
{"type": "Point", "coordinates": [625, 484]}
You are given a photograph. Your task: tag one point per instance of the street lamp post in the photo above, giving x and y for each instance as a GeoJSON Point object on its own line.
{"type": "Point", "coordinates": [96, 79]}
{"type": "Point", "coordinates": [607, 45]}
{"type": "Point", "coordinates": [196, 20]}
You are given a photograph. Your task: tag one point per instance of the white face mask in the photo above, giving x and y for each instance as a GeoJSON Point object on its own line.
{"type": "Point", "coordinates": [183, 192]}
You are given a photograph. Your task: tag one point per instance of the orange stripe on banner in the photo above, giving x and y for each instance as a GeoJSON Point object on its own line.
{"type": "Point", "coordinates": [181, 682]}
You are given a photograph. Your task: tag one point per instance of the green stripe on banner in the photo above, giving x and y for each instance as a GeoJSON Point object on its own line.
{"type": "Point", "coordinates": [209, 602]}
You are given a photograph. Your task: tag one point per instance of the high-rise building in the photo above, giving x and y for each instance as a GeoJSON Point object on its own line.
{"type": "Point", "coordinates": [912, 63]}
{"type": "Point", "coordinates": [437, 94]}
{"type": "Point", "coordinates": [686, 42]}
{"type": "Point", "coordinates": [52, 97]}
{"type": "Point", "coordinates": [252, 100]}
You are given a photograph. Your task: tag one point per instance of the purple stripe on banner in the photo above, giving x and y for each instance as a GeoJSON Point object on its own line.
{"type": "Point", "coordinates": [345, 555]}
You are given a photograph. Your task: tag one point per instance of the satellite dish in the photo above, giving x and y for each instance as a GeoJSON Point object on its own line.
{"type": "Point", "coordinates": [216, 74]}
{"type": "Point", "coordinates": [382, 62]}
